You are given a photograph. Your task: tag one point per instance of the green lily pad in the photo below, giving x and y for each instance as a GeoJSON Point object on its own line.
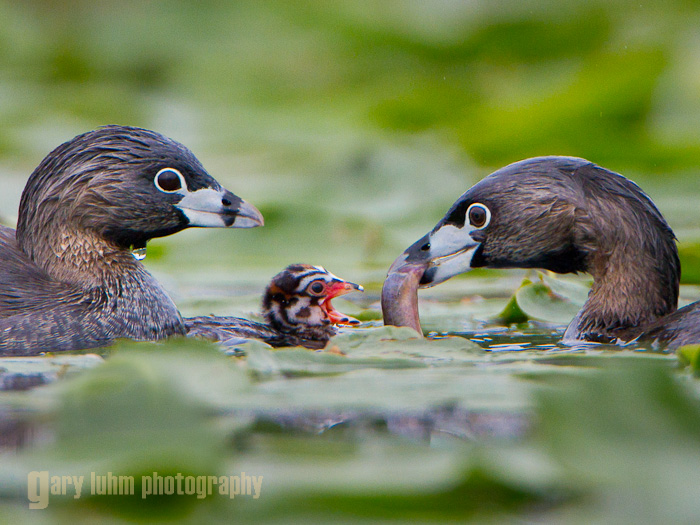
{"type": "Point", "coordinates": [303, 362]}
{"type": "Point", "coordinates": [512, 313]}
{"type": "Point", "coordinates": [148, 408]}
{"type": "Point", "coordinates": [550, 299]}
{"type": "Point", "coordinates": [689, 355]}
{"type": "Point", "coordinates": [368, 315]}
{"type": "Point", "coordinates": [380, 347]}
{"type": "Point", "coordinates": [629, 435]}
{"type": "Point", "coordinates": [539, 301]}
{"type": "Point", "coordinates": [574, 291]}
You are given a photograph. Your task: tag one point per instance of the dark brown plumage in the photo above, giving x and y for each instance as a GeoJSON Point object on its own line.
{"type": "Point", "coordinates": [68, 279]}
{"type": "Point", "coordinates": [565, 215]}
{"type": "Point", "coordinates": [296, 307]}
{"type": "Point", "coordinates": [682, 327]}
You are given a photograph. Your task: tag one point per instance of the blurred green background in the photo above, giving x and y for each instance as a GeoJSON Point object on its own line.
{"type": "Point", "coordinates": [353, 126]}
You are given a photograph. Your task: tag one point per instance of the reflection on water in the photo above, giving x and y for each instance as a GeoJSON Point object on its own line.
{"type": "Point", "coordinates": [530, 336]}
{"type": "Point", "coordinates": [540, 337]}
{"type": "Point", "coordinates": [19, 431]}
{"type": "Point", "coordinates": [14, 381]}
{"type": "Point", "coordinates": [15, 431]}
{"type": "Point", "coordinates": [515, 341]}
{"type": "Point", "coordinates": [438, 423]}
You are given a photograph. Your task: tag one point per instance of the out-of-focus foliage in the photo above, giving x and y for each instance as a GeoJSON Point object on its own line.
{"type": "Point", "coordinates": [690, 262]}
{"type": "Point", "coordinates": [354, 125]}
{"type": "Point", "coordinates": [613, 81]}
{"type": "Point", "coordinates": [528, 436]}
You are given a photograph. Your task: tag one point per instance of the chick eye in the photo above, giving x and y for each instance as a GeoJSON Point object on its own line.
{"type": "Point", "coordinates": [316, 287]}
{"type": "Point", "coordinates": [169, 180]}
{"type": "Point", "coordinates": [479, 215]}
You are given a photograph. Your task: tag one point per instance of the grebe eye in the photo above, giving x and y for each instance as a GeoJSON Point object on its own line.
{"type": "Point", "coordinates": [316, 287]}
{"type": "Point", "coordinates": [169, 180]}
{"type": "Point", "coordinates": [479, 215]}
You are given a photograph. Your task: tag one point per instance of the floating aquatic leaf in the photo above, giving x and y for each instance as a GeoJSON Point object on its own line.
{"type": "Point", "coordinates": [689, 355]}
{"type": "Point", "coordinates": [368, 336]}
{"type": "Point", "coordinates": [149, 408]}
{"type": "Point", "coordinates": [575, 291]}
{"type": "Point", "coordinates": [389, 342]}
{"type": "Point", "coordinates": [629, 435]}
{"type": "Point", "coordinates": [512, 313]}
{"type": "Point", "coordinates": [302, 362]}
{"type": "Point", "coordinates": [367, 315]}
{"type": "Point", "coordinates": [539, 301]}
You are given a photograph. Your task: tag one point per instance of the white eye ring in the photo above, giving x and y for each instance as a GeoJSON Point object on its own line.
{"type": "Point", "coordinates": [158, 185]}
{"type": "Point", "coordinates": [486, 217]}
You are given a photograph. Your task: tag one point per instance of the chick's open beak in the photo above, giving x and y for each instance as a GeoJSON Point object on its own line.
{"type": "Point", "coordinates": [337, 288]}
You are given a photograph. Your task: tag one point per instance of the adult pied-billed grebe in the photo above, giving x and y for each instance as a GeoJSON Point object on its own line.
{"type": "Point", "coordinates": [68, 279]}
{"type": "Point", "coordinates": [565, 215]}
{"type": "Point", "coordinates": [296, 305]}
